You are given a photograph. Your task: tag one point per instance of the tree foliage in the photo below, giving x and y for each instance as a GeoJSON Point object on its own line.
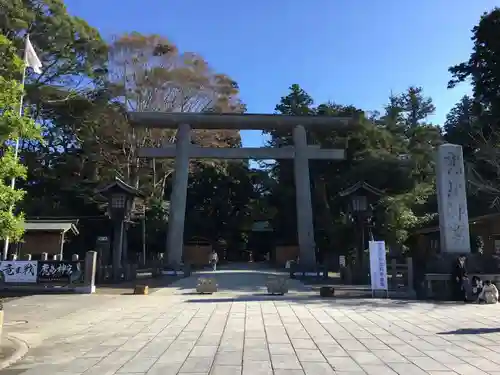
{"type": "Point", "coordinates": [13, 126]}
{"type": "Point", "coordinates": [475, 121]}
{"type": "Point", "coordinates": [87, 86]}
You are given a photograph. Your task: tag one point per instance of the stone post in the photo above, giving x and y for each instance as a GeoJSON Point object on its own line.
{"type": "Point", "coordinates": [44, 256]}
{"type": "Point", "coordinates": [409, 264]}
{"type": "Point", "coordinates": [12, 257]}
{"type": "Point", "coordinates": [75, 258]}
{"type": "Point", "coordinates": [89, 273]}
{"type": "Point", "coordinates": [452, 200]}
{"type": "Point", "coordinates": [27, 256]}
{"type": "Point", "coordinates": [178, 197]}
{"type": "Point", "coordinates": [305, 223]}
{"type": "Point", "coordinates": [394, 273]}
{"type": "Point", "coordinates": [55, 257]}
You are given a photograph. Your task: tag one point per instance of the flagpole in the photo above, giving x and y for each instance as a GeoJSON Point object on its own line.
{"type": "Point", "coordinates": [16, 147]}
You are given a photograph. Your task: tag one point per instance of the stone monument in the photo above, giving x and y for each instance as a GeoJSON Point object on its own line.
{"type": "Point", "coordinates": [452, 200]}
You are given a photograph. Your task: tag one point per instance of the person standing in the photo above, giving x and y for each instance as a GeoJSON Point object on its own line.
{"type": "Point", "coordinates": [214, 259]}
{"type": "Point", "coordinates": [459, 277]}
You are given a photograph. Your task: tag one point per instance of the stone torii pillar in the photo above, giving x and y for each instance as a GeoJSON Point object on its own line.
{"type": "Point", "coordinates": [178, 198]}
{"type": "Point", "coordinates": [305, 220]}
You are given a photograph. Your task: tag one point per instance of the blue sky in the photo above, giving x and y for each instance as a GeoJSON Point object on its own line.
{"type": "Point", "coordinates": [351, 52]}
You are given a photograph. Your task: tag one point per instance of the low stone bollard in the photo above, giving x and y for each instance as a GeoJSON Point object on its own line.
{"type": "Point", "coordinates": [277, 285]}
{"type": "Point", "coordinates": [327, 291]}
{"type": "Point", "coordinates": [206, 285]}
{"type": "Point", "coordinates": [141, 290]}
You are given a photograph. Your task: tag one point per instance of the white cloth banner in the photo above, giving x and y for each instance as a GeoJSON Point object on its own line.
{"type": "Point", "coordinates": [31, 58]}
{"type": "Point", "coordinates": [19, 271]}
{"type": "Point", "coordinates": [378, 265]}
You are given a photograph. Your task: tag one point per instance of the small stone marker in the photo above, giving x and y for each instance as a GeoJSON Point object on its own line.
{"type": "Point", "coordinates": [277, 285]}
{"type": "Point", "coordinates": [206, 285]}
{"type": "Point", "coordinates": [141, 290]}
{"type": "Point", "coordinates": [327, 291]}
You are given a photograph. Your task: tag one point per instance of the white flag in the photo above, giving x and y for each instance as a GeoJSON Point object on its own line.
{"type": "Point", "coordinates": [30, 57]}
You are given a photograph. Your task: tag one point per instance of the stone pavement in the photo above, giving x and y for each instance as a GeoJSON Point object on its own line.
{"type": "Point", "coordinates": [251, 335]}
{"type": "Point", "coordinates": [235, 279]}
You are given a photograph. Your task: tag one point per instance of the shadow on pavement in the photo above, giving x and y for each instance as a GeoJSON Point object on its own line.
{"type": "Point", "coordinates": [471, 331]}
{"type": "Point", "coordinates": [347, 301]}
{"type": "Point", "coordinates": [127, 287]}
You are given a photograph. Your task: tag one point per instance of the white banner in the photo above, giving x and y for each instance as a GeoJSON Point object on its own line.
{"type": "Point", "coordinates": [19, 271]}
{"type": "Point", "coordinates": [378, 265]}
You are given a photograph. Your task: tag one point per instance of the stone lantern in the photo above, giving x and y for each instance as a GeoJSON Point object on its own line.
{"type": "Point", "coordinates": [120, 203]}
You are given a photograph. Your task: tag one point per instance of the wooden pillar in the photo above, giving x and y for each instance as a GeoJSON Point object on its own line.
{"type": "Point", "coordinates": [62, 245]}
{"type": "Point", "coordinates": [117, 250]}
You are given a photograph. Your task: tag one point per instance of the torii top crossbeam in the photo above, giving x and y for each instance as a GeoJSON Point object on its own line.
{"type": "Point", "coordinates": [246, 121]}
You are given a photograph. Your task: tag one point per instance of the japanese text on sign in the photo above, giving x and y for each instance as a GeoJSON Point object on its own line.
{"type": "Point", "coordinates": [378, 265]}
{"type": "Point", "coordinates": [57, 270]}
{"type": "Point", "coordinates": [19, 271]}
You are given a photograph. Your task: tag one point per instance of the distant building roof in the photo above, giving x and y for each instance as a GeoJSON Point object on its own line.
{"type": "Point", "coordinates": [122, 185]}
{"type": "Point", "coordinates": [46, 225]}
{"type": "Point", "coordinates": [361, 185]}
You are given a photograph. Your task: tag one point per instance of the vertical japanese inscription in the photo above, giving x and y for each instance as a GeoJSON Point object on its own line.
{"type": "Point", "coordinates": [453, 218]}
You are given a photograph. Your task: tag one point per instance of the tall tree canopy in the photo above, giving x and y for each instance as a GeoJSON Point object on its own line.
{"type": "Point", "coordinates": [87, 86]}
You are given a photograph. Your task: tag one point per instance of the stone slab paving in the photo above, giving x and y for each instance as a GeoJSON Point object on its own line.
{"type": "Point", "coordinates": [182, 334]}
{"type": "Point", "coordinates": [242, 281]}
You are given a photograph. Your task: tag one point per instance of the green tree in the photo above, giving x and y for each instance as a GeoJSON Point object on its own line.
{"type": "Point", "coordinates": [74, 58]}
{"type": "Point", "coordinates": [483, 70]}
{"type": "Point", "coordinates": [475, 122]}
{"type": "Point", "coordinates": [392, 152]}
{"type": "Point", "coordinates": [460, 125]}
{"type": "Point", "coordinates": [13, 125]}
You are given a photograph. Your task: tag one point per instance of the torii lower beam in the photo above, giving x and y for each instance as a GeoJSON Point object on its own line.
{"type": "Point", "coordinates": [184, 150]}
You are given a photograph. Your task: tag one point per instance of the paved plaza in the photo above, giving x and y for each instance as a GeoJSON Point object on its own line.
{"type": "Point", "coordinates": [240, 331]}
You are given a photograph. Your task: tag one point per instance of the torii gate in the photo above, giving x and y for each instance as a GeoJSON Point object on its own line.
{"type": "Point", "coordinates": [183, 150]}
